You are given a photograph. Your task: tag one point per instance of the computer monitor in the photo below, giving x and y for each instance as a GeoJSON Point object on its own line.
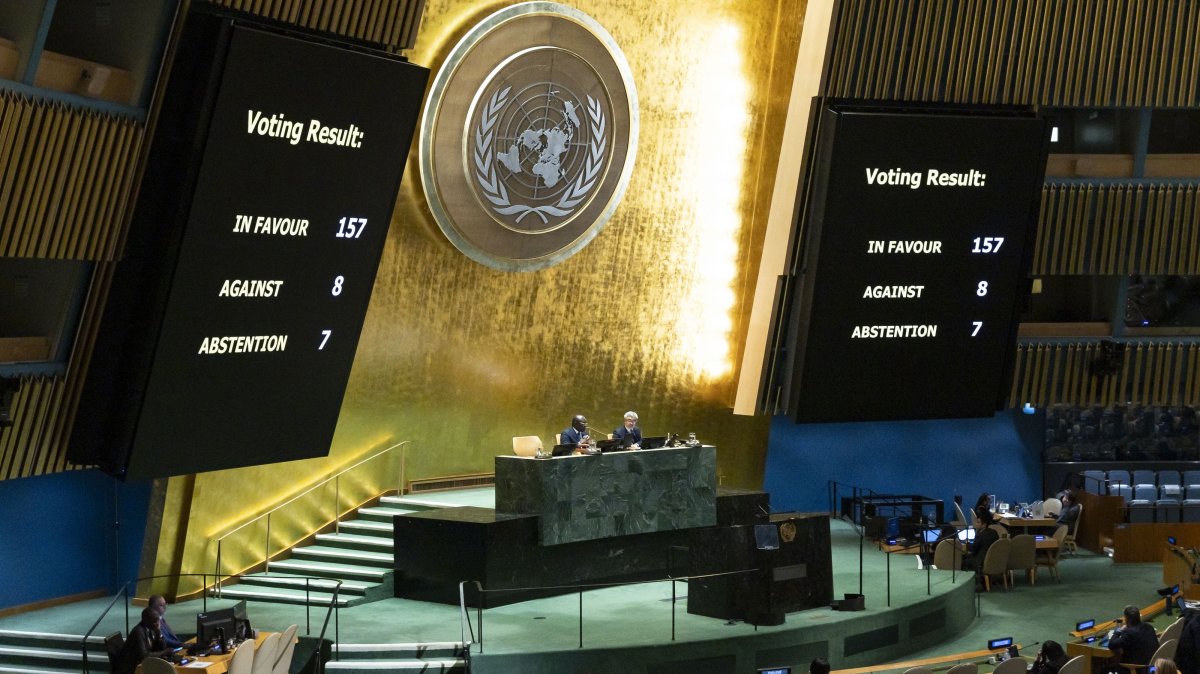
{"type": "Point", "coordinates": [966, 535]}
{"type": "Point", "coordinates": [564, 450]}
{"type": "Point", "coordinates": [613, 445]}
{"type": "Point", "coordinates": [932, 535]}
{"type": "Point", "coordinates": [214, 625]}
{"type": "Point", "coordinates": [656, 442]}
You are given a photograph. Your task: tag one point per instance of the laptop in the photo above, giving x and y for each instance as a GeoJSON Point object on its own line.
{"type": "Point", "coordinates": [564, 450]}
{"type": "Point", "coordinates": [613, 445]}
{"type": "Point", "coordinates": [656, 442]}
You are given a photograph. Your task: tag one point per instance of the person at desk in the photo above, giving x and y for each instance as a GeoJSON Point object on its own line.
{"type": "Point", "coordinates": [629, 434]}
{"type": "Point", "coordinates": [984, 537]}
{"type": "Point", "coordinates": [1135, 642]}
{"type": "Point", "coordinates": [1050, 658]}
{"type": "Point", "coordinates": [576, 434]}
{"type": "Point", "coordinates": [1070, 511]}
{"type": "Point", "coordinates": [170, 640]}
{"type": "Point", "coordinates": [145, 640]}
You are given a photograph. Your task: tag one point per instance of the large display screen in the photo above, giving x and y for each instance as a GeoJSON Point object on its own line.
{"type": "Point", "coordinates": [915, 257]}
{"type": "Point", "coordinates": [302, 148]}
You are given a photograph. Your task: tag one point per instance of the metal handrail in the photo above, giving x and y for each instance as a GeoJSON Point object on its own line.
{"type": "Point", "coordinates": [464, 617]}
{"type": "Point", "coordinates": [337, 514]}
{"type": "Point", "coordinates": [124, 591]}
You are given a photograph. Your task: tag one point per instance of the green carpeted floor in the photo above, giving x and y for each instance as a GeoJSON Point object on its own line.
{"type": "Point", "coordinates": [1092, 587]}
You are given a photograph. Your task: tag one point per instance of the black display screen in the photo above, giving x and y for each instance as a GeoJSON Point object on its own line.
{"type": "Point", "coordinates": [299, 156]}
{"type": "Point", "coordinates": [916, 254]}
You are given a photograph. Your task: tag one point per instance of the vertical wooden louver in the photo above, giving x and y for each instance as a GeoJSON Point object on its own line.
{"type": "Point", "coordinates": [391, 24]}
{"type": "Point", "coordinates": [1106, 230]}
{"type": "Point", "coordinates": [1127, 53]}
{"type": "Point", "coordinates": [66, 178]}
{"type": "Point", "coordinates": [1151, 373]}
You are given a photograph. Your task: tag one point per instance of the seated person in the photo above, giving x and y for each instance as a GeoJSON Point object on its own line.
{"type": "Point", "coordinates": [1050, 658]}
{"type": "Point", "coordinates": [576, 434]}
{"type": "Point", "coordinates": [984, 537]}
{"type": "Point", "coordinates": [1136, 641]}
{"type": "Point", "coordinates": [819, 666]}
{"type": "Point", "coordinates": [1070, 511]}
{"type": "Point", "coordinates": [629, 434]}
{"type": "Point", "coordinates": [145, 640]}
{"type": "Point", "coordinates": [170, 640]}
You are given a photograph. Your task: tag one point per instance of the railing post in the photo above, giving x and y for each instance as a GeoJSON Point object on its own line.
{"type": "Point", "coordinates": [337, 504]}
{"type": "Point", "coordinates": [581, 617]}
{"type": "Point", "coordinates": [217, 571]}
{"type": "Point", "coordinates": [267, 548]}
{"type": "Point", "coordinates": [307, 607]}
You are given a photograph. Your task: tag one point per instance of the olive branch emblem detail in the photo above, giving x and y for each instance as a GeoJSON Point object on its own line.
{"type": "Point", "coordinates": [487, 175]}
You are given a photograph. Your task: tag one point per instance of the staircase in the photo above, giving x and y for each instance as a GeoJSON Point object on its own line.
{"type": "Point", "coordinates": [378, 658]}
{"type": "Point", "coordinates": [359, 555]}
{"type": "Point", "coordinates": [42, 653]}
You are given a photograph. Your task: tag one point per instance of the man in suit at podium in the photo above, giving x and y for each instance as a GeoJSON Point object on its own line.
{"type": "Point", "coordinates": [576, 434]}
{"type": "Point", "coordinates": [629, 434]}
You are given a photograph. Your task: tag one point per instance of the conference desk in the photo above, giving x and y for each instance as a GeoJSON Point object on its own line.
{"type": "Point", "coordinates": [1027, 523]}
{"type": "Point", "coordinates": [598, 496]}
{"type": "Point", "coordinates": [216, 663]}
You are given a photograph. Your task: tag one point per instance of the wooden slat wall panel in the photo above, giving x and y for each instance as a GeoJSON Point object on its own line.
{"type": "Point", "coordinates": [50, 157]}
{"type": "Point", "coordinates": [390, 24]}
{"type": "Point", "coordinates": [1118, 229]}
{"type": "Point", "coordinates": [1153, 373]}
{"type": "Point", "coordinates": [43, 410]}
{"type": "Point", "coordinates": [1125, 53]}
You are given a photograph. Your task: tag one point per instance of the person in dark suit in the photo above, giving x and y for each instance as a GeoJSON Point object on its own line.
{"type": "Point", "coordinates": [576, 434]}
{"type": "Point", "coordinates": [629, 434]}
{"type": "Point", "coordinates": [144, 640]}
{"type": "Point", "coordinates": [1136, 641]}
{"type": "Point", "coordinates": [170, 639]}
{"type": "Point", "coordinates": [984, 537]}
{"type": "Point", "coordinates": [1187, 653]}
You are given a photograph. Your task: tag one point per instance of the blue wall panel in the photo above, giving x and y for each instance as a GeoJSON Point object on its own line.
{"type": "Point", "coordinates": [938, 459]}
{"type": "Point", "coordinates": [68, 533]}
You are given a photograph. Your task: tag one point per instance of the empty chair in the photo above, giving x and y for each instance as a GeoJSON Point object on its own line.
{"type": "Point", "coordinates": [112, 646]}
{"type": "Point", "coordinates": [962, 522]}
{"type": "Point", "coordinates": [1011, 666]}
{"type": "Point", "coordinates": [1122, 490]}
{"type": "Point", "coordinates": [1140, 512]}
{"type": "Point", "coordinates": [1118, 477]}
{"type": "Point", "coordinates": [1049, 558]}
{"type": "Point", "coordinates": [265, 654]}
{"type": "Point", "coordinates": [1173, 631]}
{"type": "Point", "coordinates": [1170, 491]}
{"type": "Point", "coordinates": [287, 646]}
{"type": "Point", "coordinates": [1167, 511]}
{"type": "Point", "coordinates": [1190, 512]}
{"type": "Point", "coordinates": [157, 666]}
{"type": "Point", "coordinates": [995, 563]}
{"type": "Point", "coordinates": [918, 670]}
{"type": "Point", "coordinates": [242, 661]}
{"type": "Point", "coordinates": [945, 556]}
{"type": "Point", "coordinates": [1168, 477]}
{"type": "Point", "coordinates": [1192, 492]}
{"type": "Point", "coordinates": [527, 445]}
{"type": "Point", "coordinates": [1144, 478]}
{"type": "Point", "coordinates": [1144, 494]}
{"type": "Point", "coordinates": [1093, 481]}
{"type": "Point", "coordinates": [1074, 665]}
{"type": "Point", "coordinates": [964, 668]}
{"type": "Point", "coordinates": [1051, 507]}
{"type": "Point", "coordinates": [1022, 556]}
{"type": "Point", "coordinates": [1191, 478]}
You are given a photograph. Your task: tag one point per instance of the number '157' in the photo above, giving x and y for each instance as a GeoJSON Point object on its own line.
{"type": "Point", "coordinates": [986, 244]}
{"type": "Point", "coordinates": [352, 228]}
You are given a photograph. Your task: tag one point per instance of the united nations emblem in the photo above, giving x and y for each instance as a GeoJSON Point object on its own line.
{"type": "Point", "coordinates": [528, 171]}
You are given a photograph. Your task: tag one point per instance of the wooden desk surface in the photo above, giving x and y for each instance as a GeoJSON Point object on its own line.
{"type": "Point", "coordinates": [1026, 522]}
{"type": "Point", "coordinates": [217, 663]}
{"type": "Point", "coordinates": [924, 662]}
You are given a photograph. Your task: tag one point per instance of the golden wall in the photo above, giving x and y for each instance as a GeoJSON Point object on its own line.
{"type": "Point", "coordinates": [457, 358]}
